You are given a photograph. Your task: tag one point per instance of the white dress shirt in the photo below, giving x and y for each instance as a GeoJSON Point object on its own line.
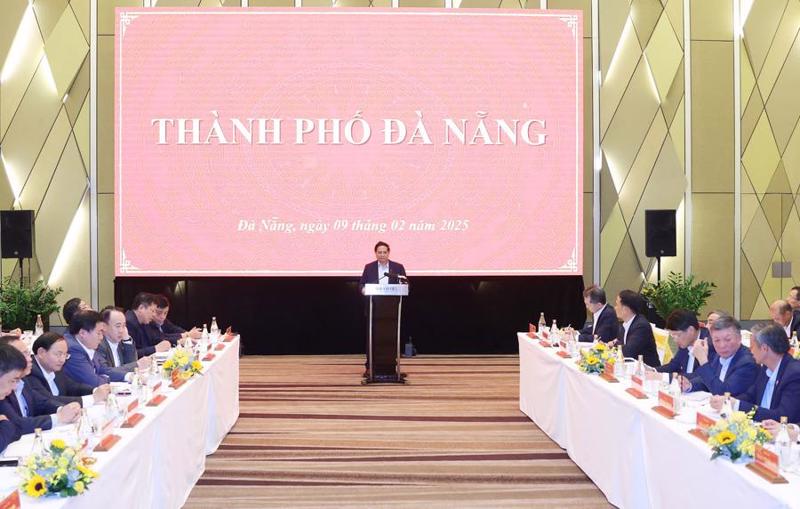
{"type": "Point", "coordinates": [626, 326]}
{"type": "Point", "coordinates": [596, 316]}
{"type": "Point", "coordinates": [381, 270]}
{"type": "Point", "coordinates": [115, 352]}
{"type": "Point", "coordinates": [50, 376]}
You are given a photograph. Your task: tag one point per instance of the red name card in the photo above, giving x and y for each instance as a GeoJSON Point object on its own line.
{"type": "Point", "coordinates": [157, 400]}
{"type": "Point", "coordinates": [107, 443]}
{"type": "Point", "coordinates": [219, 347]}
{"type": "Point", "coordinates": [531, 331]}
{"type": "Point", "coordinates": [702, 425]}
{"type": "Point", "coordinates": [544, 343]}
{"type": "Point", "coordinates": [767, 465]}
{"type": "Point", "coordinates": [209, 357]}
{"type": "Point", "coordinates": [177, 383]}
{"type": "Point", "coordinates": [637, 388]}
{"type": "Point", "coordinates": [133, 404]}
{"type": "Point", "coordinates": [132, 420]}
{"type": "Point", "coordinates": [156, 387]}
{"type": "Point", "coordinates": [608, 373]}
{"type": "Point", "coordinates": [666, 405]}
{"type": "Point", "coordinates": [11, 501]}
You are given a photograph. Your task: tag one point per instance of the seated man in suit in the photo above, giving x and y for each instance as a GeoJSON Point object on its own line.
{"type": "Point", "coordinates": [685, 330]}
{"type": "Point", "coordinates": [165, 328]}
{"type": "Point", "coordinates": [732, 370]}
{"type": "Point", "coordinates": [776, 391]}
{"type": "Point", "coordinates": [376, 272]}
{"type": "Point", "coordinates": [29, 409]}
{"type": "Point", "coordinates": [781, 313]}
{"type": "Point", "coordinates": [146, 339]}
{"type": "Point", "coordinates": [604, 320]}
{"type": "Point", "coordinates": [72, 306]}
{"type": "Point", "coordinates": [635, 334]}
{"type": "Point", "coordinates": [116, 353]}
{"type": "Point", "coordinates": [83, 337]}
{"type": "Point", "coordinates": [794, 298]}
{"type": "Point", "coordinates": [12, 366]}
{"type": "Point", "coordinates": [46, 377]}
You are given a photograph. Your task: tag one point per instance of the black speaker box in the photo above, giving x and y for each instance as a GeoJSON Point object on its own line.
{"type": "Point", "coordinates": [16, 233]}
{"type": "Point", "coordinates": [660, 233]}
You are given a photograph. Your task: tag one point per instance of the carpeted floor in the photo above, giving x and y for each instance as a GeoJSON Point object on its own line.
{"type": "Point", "coordinates": [310, 435]}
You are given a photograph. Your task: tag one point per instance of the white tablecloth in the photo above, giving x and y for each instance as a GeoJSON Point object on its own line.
{"type": "Point", "coordinates": [634, 455]}
{"type": "Point", "coordinates": [157, 463]}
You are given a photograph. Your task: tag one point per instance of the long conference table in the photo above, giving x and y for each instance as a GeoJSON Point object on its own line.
{"type": "Point", "coordinates": [636, 457]}
{"type": "Point", "coordinates": [157, 462]}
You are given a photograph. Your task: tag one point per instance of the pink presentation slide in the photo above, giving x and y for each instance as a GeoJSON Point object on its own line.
{"type": "Point", "coordinates": [287, 142]}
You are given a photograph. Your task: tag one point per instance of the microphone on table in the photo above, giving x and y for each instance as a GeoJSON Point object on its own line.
{"type": "Point", "coordinates": [398, 276]}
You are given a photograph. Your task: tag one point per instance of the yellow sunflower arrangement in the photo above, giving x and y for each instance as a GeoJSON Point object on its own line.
{"type": "Point", "coordinates": [57, 471]}
{"type": "Point", "coordinates": [183, 364]}
{"type": "Point", "coordinates": [736, 437]}
{"type": "Point", "coordinates": [593, 360]}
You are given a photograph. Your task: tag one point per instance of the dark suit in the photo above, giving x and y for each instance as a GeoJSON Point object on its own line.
{"type": "Point", "coordinates": [68, 389]}
{"type": "Point", "coordinates": [679, 363]}
{"type": "Point", "coordinates": [108, 366]}
{"type": "Point", "coordinates": [144, 337]}
{"type": "Point", "coordinates": [167, 330]}
{"type": "Point", "coordinates": [785, 393]}
{"type": "Point", "coordinates": [607, 326]}
{"type": "Point", "coordinates": [794, 324]}
{"type": "Point", "coordinates": [740, 376]}
{"type": "Point", "coordinates": [9, 432]}
{"type": "Point", "coordinates": [640, 341]}
{"type": "Point", "coordinates": [39, 410]}
{"type": "Point", "coordinates": [80, 367]}
{"type": "Point", "coordinates": [371, 276]}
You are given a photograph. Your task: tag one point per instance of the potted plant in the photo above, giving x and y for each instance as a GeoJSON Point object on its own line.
{"type": "Point", "coordinates": [19, 304]}
{"type": "Point", "coordinates": [678, 292]}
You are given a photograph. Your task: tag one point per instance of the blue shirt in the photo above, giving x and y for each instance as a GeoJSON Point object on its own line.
{"type": "Point", "coordinates": [23, 404]}
{"type": "Point", "coordinates": [766, 399]}
{"type": "Point", "coordinates": [724, 369]}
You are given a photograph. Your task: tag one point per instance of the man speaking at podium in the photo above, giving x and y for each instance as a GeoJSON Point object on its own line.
{"type": "Point", "coordinates": [382, 270]}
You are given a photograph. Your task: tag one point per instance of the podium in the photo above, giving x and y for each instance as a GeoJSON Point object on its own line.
{"type": "Point", "coordinates": [383, 332]}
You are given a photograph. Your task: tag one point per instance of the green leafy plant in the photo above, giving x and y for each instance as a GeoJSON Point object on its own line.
{"type": "Point", "coordinates": [678, 292]}
{"type": "Point", "coordinates": [19, 305]}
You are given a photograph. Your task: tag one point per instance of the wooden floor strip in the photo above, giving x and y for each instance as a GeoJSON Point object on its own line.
{"type": "Point", "coordinates": [310, 435]}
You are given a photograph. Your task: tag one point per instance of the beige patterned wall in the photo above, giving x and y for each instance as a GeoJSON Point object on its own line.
{"type": "Point", "coordinates": [44, 134]}
{"type": "Point", "coordinates": [641, 133]}
{"type": "Point", "coordinates": [644, 158]}
{"type": "Point", "coordinates": [770, 144]}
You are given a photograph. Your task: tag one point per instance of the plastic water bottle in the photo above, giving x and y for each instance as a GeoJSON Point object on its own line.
{"type": "Point", "coordinates": [214, 330]}
{"type": "Point", "coordinates": [675, 391]}
{"type": "Point", "coordinates": [793, 341]}
{"type": "Point", "coordinates": [784, 445]}
{"type": "Point", "coordinates": [203, 346]}
{"type": "Point", "coordinates": [553, 332]}
{"type": "Point", "coordinates": [727, 409]}
{"type": "Point", "coordinates": [38, 443]}
{"type": "Point", "coordinates": [619, 364]}
{"type": "Point", "coordinates": [542, 323]}
{"type": "Point", "coordinates": [39, 330]}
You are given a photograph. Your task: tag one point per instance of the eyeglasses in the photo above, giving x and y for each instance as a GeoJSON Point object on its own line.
{"type": "Point", "coordinates": [60, 355]}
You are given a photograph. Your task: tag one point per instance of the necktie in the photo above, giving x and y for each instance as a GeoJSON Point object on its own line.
{"type": "Point", "coordinates": [22, 405]}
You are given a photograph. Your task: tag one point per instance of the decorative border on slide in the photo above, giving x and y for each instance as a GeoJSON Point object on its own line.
{"type": "Point", "coordinates": [126, 18]}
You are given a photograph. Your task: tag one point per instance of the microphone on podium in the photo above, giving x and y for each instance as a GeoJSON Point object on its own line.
{"type": "Point", "coordinates": [398, 276]}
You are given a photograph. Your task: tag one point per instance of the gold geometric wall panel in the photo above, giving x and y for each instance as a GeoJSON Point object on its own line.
{"type": "Point", "coordinates": [44, 115]}
{"type": "Point", "coordinates": [642, 130]}
{"type": "Point", "coordinates": [770, 77]}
